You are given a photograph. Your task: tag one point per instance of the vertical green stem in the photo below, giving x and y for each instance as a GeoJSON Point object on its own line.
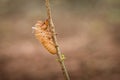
{"type": "Point", "coordinates": [59, 55]}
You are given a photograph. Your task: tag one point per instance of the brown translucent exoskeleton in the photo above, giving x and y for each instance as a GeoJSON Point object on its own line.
{"type": "Point", "coordinates": [44, 35]}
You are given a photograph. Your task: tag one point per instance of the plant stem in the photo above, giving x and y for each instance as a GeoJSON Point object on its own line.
{"type": "Point", "coordinates": [59, 54]}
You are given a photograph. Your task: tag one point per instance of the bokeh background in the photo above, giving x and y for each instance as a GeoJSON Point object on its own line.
{"type": "Point", "coordinates": [88, 34]}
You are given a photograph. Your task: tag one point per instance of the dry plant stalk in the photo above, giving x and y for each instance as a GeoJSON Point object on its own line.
{"type": "Point", "coordinates": [59, 54]}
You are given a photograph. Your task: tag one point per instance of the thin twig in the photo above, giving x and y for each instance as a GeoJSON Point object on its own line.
{"type": "Point", "coordinates": [59, 54]}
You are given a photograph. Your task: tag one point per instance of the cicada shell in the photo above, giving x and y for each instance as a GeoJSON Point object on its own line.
{"type": "Point", "coordinates": [44, 35]}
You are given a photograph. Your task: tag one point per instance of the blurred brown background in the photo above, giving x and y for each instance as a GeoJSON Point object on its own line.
{"type": "Point", "coordinates": [88, 34]}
